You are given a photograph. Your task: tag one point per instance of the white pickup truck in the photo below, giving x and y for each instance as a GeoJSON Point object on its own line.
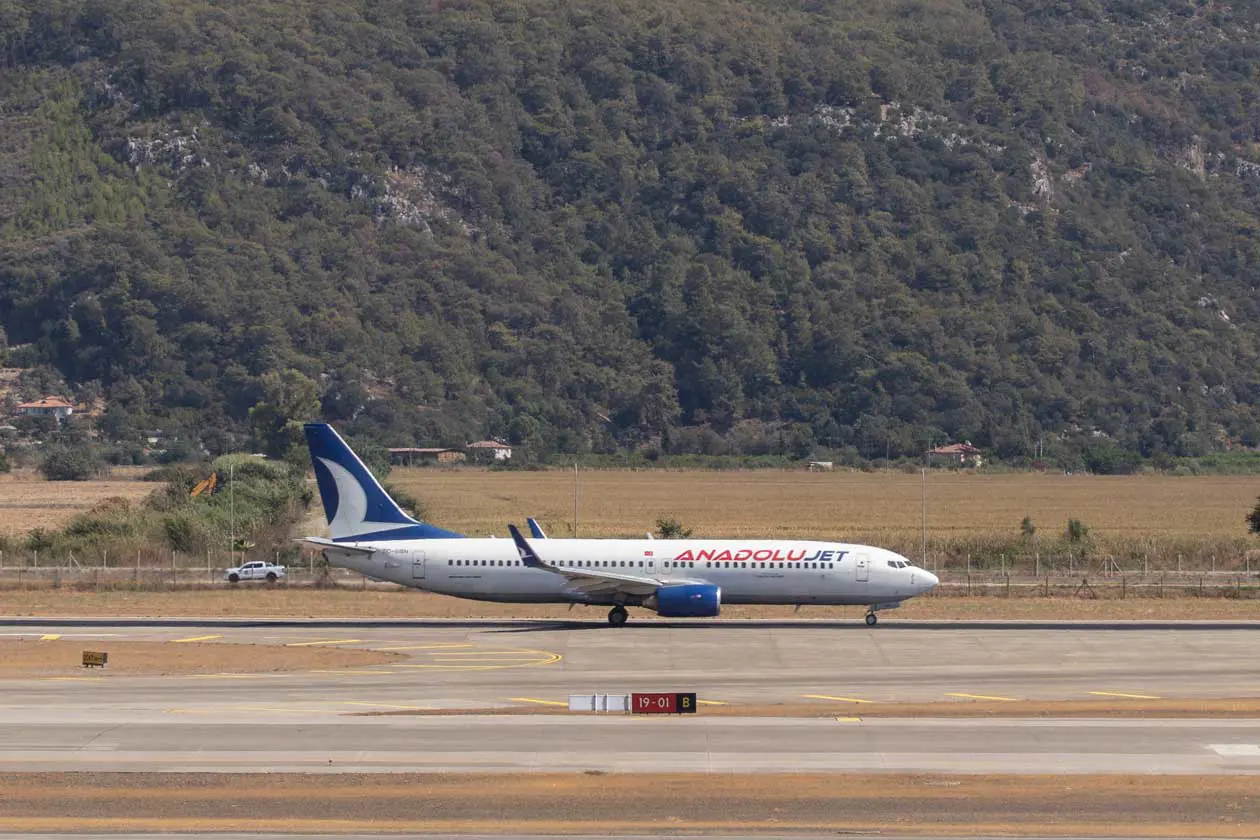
{"type": "Point", "coordinates": [255, 570]}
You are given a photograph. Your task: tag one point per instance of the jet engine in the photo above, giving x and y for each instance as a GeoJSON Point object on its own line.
{"type": "Point", "coordinates": [687, 600]}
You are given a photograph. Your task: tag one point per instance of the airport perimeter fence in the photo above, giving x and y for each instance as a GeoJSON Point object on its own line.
{"type": "Point", "coordinates": [150, 570]}
{"type": "Point", "coordinates": [1058, 577]}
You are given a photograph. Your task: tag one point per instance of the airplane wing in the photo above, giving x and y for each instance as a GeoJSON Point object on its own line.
{"type": "Point", "coordinates": [594, 581]}
{"type": "Point", "coordinates": [320, 542]}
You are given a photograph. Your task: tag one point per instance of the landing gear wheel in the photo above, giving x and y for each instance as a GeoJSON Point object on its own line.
{"type": "Point", "coordinates": [617, 616]}
{"type": "Point", "coordinates": [871, 619]}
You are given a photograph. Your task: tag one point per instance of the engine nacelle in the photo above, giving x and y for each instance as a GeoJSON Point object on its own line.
{"type": "Point", "coordinates": [687, 600]}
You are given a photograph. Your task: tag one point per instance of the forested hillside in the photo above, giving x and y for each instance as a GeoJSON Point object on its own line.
{"type": "Point", "coordinates": [713, 226]}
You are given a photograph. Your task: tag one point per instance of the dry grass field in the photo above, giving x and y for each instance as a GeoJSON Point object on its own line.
{"type": "Point", "coordinates": [1128, 516]}
{"type": "Point", "coordinates": [28, 502]}
{"type": "Point", "coordinates": [877, 507]}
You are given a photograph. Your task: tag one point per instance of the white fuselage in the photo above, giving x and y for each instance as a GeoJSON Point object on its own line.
{"type": "Point", "coordinates": [748, 571]}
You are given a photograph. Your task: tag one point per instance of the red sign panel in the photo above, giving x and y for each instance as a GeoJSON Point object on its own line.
{"type": "Point", "coordinates": [662, 703]}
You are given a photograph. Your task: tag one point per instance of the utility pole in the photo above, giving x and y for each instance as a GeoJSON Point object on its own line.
{"type": "Point", "coordinates": [232, 512]}
{"type": "Point", "coordinates": [575, 499]}
{"type": "Point", "coordinates": [923, 557]}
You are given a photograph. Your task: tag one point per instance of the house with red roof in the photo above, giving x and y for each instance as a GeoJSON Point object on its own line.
{"type": "Point", "coordinates": [46, 407]}
{"type": "Point", "coordinates": [962, 454]}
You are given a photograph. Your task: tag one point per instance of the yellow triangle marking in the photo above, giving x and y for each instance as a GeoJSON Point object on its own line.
{"type": "Point", "coordinates": [539, 702]}
{"type": "Point", "coordinates": [1129, 696]}
{"type": "Point", "coordinates": [979, 696]}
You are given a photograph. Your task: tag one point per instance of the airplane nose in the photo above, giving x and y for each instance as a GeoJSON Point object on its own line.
{"type": "Point", "coordinates": [929, 580]}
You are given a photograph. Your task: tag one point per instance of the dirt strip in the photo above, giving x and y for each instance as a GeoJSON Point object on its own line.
{"type": "Point", "coordinates": [291, 602]}
{"type": "Point", "coordinates": [1241, 708]}
{"type": "Point", "coordinates": [23, 658]}
{"type": "Point", "coordinates": [1112, 806]}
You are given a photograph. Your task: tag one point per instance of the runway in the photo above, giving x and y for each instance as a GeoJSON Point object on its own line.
{"type": "Point", "coordinates": [316, 721]}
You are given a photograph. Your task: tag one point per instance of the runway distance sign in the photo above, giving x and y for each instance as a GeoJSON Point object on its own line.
{"type": "Point", "coordinates": [95, 658]}
{"type": "Point", "coordinates": [662, 703]}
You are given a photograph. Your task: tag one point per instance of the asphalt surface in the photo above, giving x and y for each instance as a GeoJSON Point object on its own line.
{"type": "Point", "coordinates": [287, 836]}
{"type": "Point", "coordinates": [315, 721]}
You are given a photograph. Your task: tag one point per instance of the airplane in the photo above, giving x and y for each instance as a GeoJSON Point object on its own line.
{"type": "Point", "coordinates": [683, 578]}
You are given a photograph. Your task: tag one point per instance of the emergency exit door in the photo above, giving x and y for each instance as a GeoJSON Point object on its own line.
{"type": "Point", "coordinates": [417, 565]}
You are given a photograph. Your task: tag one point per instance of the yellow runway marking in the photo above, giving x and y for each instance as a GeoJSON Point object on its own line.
{"type": "Point", "coordinates": [830, 697]}
{"type": "Point", "coordinates": [385, 705]}
{"type": "Point", "coordinates": [710, 703]}
{"type": "Point", "coordinates": [233, 676]}
{"type": "Point", "coordinates": [326, 642]}
{"type": "Point", "coordinates": [197, 639]}
{"type": "Point", "coordinates": [50, 637]}
{"type": "Point", "coordinates": [539, 702]}
{"type": "Point", "coordinates": [422, 647]}
{"type": "Point", "coordinates": [386, 673]}
{"type": "Point", "coordinates": [980, 697]}
{"type": "Point", "coordinates": [848, 720]}
{"type": "Point", "coordinates": [1130, 696]}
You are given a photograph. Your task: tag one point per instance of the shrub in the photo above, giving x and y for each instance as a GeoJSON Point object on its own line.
{"type": "Point", "coordinates": [1076, 531]}
{"type": "Point", "coordinates": [671, 529]}
{"type": "Point", "coordinates": [79, 464]}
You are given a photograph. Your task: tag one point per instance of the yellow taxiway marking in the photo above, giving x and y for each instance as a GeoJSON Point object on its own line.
{"type": "Point", "coordinates": [539, 702]}
{"type": "Point", "coordinates": [234, 676]}
{"type": "Point", "coordinates": [454, 667]}
{"type": "Point", "coordinates": [73, 679]}
{"type": "Point", "coordinates": [486, 660]}
{"type": "Point", "coordinates": [422, 647]}
{"type": "Point", "coordinates": [1130, 696]}
{"type": "Point", "coordinates": [352, 672]}
{"type": "Point", "coordinates": [50, 637]}
{"type": "Point", "coordinates": [832, 697]}
{"type": "Point", "coordinates": [325, 642]}
{"type": "Point", "coordinates": [385, 705]}
{"type": "Point", "coordinates": [710, 703]}
{"type": "Point", "coordinates": [979, 696]}
{"type": "Point", "coordinates": [197, 639]}
{"type": "Point", "coordinates": [279, 709]}
{"type": "Point", "coordinates": [848, 720]}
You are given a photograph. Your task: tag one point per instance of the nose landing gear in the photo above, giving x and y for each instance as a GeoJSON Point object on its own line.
{"type": "Point", "coordinates": [871, 618]}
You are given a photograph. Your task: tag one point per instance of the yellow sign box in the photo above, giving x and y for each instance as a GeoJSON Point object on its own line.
{"type": "Point", "coordinates": [95, 658]}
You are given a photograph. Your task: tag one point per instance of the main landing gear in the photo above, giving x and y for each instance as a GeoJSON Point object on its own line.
{"type": "Point", "coordinates": [617, 616]}
{"type": "Point", "coordinates": [871, 619]}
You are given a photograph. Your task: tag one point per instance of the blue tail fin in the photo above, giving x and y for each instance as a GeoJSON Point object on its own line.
{"type": "Point", "coordinates": [535, 530]}
{"type": "Point", "coordinates": [356, 505]}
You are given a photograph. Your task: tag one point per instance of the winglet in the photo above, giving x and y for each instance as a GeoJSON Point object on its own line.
{"type": "Point", "coordinates": [535, 530]}
{"type": "Point", "coordinates": [528, 557]}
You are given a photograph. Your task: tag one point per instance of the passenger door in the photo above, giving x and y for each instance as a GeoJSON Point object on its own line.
{"type": "Point", "coordinates": [862, 568]}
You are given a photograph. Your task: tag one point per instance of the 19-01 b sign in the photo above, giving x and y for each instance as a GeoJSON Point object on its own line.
{"type": "Point", "coordinates": [663, 704]}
